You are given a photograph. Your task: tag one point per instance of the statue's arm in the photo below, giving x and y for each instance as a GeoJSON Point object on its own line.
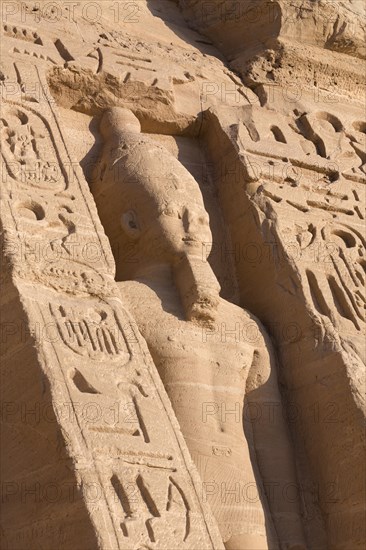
{"type": "Point", "coordinates": [272, 445]}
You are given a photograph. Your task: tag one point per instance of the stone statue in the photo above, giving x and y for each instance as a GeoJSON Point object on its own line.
{"type": "Point", "coordinates": [214, 358]}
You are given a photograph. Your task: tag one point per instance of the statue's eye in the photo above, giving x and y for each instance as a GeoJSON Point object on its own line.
{"type": "Point", "coordinates": [170, 211]}
{"type": "Point", "coordinates": [130, 223]}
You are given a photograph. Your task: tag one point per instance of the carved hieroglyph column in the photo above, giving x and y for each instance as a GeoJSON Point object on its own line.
{"type": "Point", "coordinates": [120, 431]}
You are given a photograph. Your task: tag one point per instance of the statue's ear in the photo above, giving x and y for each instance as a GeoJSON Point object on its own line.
{"type": "Point", "coordinates": [130, 224]}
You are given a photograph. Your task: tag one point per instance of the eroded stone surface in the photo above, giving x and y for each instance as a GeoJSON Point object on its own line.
{"type": "Point", "coordinates": [259, 111]}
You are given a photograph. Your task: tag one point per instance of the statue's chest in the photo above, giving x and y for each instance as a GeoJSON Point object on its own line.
{"type": "Point", "coordinates": [218, 353]}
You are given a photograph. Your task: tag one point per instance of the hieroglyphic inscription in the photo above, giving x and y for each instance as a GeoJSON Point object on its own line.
{"type": "Point", "coordinates": [29, 150]}
{"type": "Point", "coordinates": [95, 333]}
{"type": "Point", "coordinates": [89, 347]}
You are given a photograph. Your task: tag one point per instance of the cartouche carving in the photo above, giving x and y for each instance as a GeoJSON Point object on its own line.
{"type": "Point", "coordinates": [29, 150]}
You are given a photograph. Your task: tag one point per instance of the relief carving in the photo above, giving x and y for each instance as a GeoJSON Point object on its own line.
{"type": "Point", "coordinates": [74, 312]}
{"type": "Point", "coordinates": [172, 290]}
{"type": "Point", "coordinates": [27, 143]}
{"type": "Point", "coordinates": [90, 332]}
{"type": "Point", "coordinates": [228, 147]}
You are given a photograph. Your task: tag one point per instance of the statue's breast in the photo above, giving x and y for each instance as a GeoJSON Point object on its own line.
{"type": "Point", "coordinates": [218, 356]}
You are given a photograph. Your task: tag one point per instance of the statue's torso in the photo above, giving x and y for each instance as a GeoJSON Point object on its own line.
{"type": "Point", "coordinates": [204, 372]}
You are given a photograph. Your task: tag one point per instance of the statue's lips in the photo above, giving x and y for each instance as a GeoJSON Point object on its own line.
{"type": "Point", "coordinates": [190, 240]}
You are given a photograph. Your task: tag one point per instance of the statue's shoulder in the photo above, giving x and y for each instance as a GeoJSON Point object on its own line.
{"type": "Point", "coordinates": [236, 312]}
{"type": "Point", "coordinates": [250, 327]}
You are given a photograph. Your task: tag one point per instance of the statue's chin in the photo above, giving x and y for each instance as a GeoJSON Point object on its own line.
{"type": "Point", "coordinates": [203, 311]}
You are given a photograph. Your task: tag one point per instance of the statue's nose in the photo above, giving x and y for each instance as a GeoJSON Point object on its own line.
{"type": "Point", "coordinates": [194, 221]}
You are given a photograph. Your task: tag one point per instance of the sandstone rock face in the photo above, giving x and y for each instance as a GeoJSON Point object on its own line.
{"type": "Point", "coordinates": [183, 307]}
{"type": "Point", "coordinates": [268, 41]}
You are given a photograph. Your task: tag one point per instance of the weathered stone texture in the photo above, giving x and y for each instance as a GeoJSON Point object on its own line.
{"type": "Point", "coordinates": [183, 272]}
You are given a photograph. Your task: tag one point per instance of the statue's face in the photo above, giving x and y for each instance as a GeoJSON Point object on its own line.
{"type": "Point", "coordinates": [163, 220]}
{"type": "Point", "coordinates": [175, 228]}
{"type": "Point", "coordinates": [186, 227]}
